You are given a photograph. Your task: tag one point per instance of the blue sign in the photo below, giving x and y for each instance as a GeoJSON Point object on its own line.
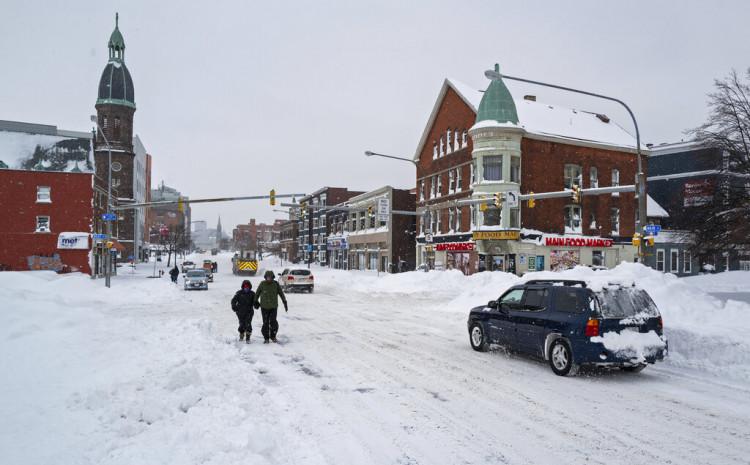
{"type": "Point", "coordinates": [652, 229]}
{"type": "Point", "coordinates": [109, 216]}
{"type": "Point", "coordinates": [309, 248]}
{"type": "Point", "coordinates": [100, 236]}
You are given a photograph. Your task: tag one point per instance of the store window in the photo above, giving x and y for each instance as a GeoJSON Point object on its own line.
{"type": "Point", "coordinates": [492, 217]}
{"type": "Point", "coordinates": [660, 260]}
{"type": "Point", "coordinates": [572, 176]}
{"type": "Point", "coordinates": [597, 258]}
{"type": "Point", "coordinates": [593, 177]}
{"type": "Point", "coordinates": [674, 261]}
{"type": "Point", "coordinates": [493, 167]}
{"type": "Point", "coordinates": [43, 194]}
{"type": "Point", "coordinates": [515, 221]}
{"type": "Point", "coordinates": [687, 262]}
{"type": "Point", "coordinates": [515, 169]}
{"type": "Point", "coordinates": [42, 224]}
{"type": "Point", "coordinates": [573, 219]}
{"type": "Point", "coordinates": [615, 218]}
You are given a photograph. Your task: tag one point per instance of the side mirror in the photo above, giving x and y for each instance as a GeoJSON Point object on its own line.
{"type": "Point", "coordinates": [492, 304]}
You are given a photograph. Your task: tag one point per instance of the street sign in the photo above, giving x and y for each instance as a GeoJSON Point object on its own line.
{"type": "Point", "coordinates": [100, 236]}
{"type": "Point", "coordinates": [652, 229]}
{"type": "Point", "coordinates": [428, 237]}
{"type": "Point", "coordinates": [309, 248]}
{"type": "Point", "coordinates": [384, 209]}
{"type": "Point", "coordinates": [512, 199]}
{"type": "Point", "coordinates": [109, 216]}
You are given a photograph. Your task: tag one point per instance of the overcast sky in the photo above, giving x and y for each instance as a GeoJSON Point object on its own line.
{"type": "Point", "coordinates": [234, 98]}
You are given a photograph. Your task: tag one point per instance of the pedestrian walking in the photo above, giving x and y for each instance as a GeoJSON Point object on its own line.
{"type": "Point", "coordinates": [267, 297]}
{"type": "Point", "coordinates": [242, 305]}
{"type": "Point", "coordinates": [174, 273]}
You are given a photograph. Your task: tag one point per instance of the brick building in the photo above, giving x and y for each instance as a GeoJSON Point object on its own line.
{"type": "Point", "coordinates": [170, 217]}
{"type": "Point", "coordinates": [288, 239]}
{"type": "Point", "coordinates": [47, 219]}
{"type": "Point", "coordinates": [478, 144]}
{"type": "Point", "coordinates": [245, 236]}
{"type": "Point", "coordinates": [314, 226]}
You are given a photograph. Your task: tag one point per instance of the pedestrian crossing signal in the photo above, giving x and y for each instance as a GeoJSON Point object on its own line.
{"type": "Point", "coordinates": [272, 197]}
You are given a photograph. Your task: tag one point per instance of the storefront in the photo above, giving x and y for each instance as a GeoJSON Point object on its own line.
{"type": "Point", "coordinates": [448, 252]}
{"type": "Point", "coordinates": [338, 249]}
{"type": "Point", "coordinates": [457, 255]}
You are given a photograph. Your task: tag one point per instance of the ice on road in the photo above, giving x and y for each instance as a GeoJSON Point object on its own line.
{"type": "Point", "coordinates": [369, 370]}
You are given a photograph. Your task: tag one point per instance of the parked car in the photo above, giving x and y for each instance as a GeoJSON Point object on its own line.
{"type": "Point", "coordinates": [297, 279]}
{"type": "Point", "coordinates": [196, 279]}
{"type": "Point", "coordinates": [569, 325]}
{"type": "Point", "coordinates": [187, 265]}
{"type": "Point", "coordinates": [208, 267]}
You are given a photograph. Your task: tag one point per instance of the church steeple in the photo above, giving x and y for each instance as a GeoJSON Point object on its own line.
{"type": "Point", "coordinates": [218, 232]}
{"type": "Point", "coordinates": [116, 42]}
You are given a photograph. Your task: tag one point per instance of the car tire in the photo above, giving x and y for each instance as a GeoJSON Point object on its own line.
{"type": "Point", "coordinates": [311, 289]}
{"type": "Point", "coordinates": [635, 368]}
{"type": "Point", "coordinates": [560, 357]}
{"type": "Point", "coordinates": [478, 338]}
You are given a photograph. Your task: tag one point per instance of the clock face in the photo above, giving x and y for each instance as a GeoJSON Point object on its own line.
{"type": "Point", "coordinates": [116, 166]}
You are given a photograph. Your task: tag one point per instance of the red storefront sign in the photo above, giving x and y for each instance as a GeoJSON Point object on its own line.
{"type": "Point", "coordinates": [455, 246]}
{"type": "Point", "coordinates": [577, 242]}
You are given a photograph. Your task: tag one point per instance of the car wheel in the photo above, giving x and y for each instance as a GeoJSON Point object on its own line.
{"type": "Point", "coordinates": [477, 338]}
{"type": "Point", "coordinates": [311, 289]}
{"type": "Point", "coordinates": [634, 369]}
{"type": "Point", "coordinates": [561, 358]}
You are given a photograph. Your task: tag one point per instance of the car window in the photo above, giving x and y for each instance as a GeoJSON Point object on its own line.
{"type": "Point", "coordinates": [626, 302]}
{"type": "Point", "coordinates": [196, 274]}
{"type": "Point", "coordinates": [301, 272]}
{"type": "Point", "coordinates": [535, 298]}
{"type": "Point", "coordinates": [512, 297]}
{"type": "Point", "coordinates": [569, 300]}
{"type": "Point", "coordinates": [285, 271]}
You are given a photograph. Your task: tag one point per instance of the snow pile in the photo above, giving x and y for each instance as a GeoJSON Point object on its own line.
{"type": "Point", "coordinates": [631, 344]}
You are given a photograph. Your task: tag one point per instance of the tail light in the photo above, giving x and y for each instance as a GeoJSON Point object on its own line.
{"type": "Point", "coordinates": [311, 277]}
{"type": "Point", "coordinates": [659, 323]}
{"type": "Point", "coordinates": [592, 327]}
{"type": "Point", "coordinates": [290, 278]}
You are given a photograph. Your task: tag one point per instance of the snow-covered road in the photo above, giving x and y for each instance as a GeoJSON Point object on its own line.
{"type": "Point", "coordinates": [147, 373]}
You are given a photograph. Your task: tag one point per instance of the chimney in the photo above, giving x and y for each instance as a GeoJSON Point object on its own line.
{"type": "Point", "coordinates": [530, 98]}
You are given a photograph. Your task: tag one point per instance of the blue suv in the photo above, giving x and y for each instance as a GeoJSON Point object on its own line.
{"type": "Point", "coordinates": [569, 325]}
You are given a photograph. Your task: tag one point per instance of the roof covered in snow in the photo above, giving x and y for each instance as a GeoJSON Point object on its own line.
{"type": "Point", "coordinates": [542, 120]}
{"type": "Point", "coordinates": [654, 210]}
{"type": "Point", "coordinates": [42, 147]}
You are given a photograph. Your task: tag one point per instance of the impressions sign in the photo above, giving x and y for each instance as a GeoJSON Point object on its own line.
{"type": "Point", "coordinates": [73, 240]}
{"type": "Point", "coordinates": [563, 241]}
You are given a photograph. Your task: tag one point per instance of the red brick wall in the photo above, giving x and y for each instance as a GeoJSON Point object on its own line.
{"type": "Point", "coordinates": [70, 211]}
{"type": "Point", "coordinates": [542, 170]}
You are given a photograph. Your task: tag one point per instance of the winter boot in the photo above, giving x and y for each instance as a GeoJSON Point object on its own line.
{"type": "Point", "coordinates": [265, 341]}
{"type": "Point", "coordinates": [247, 338]}
{"type": "Point", "coordinates": [242, 335]}
{"type": "Point", "coordinates": [273, 339]}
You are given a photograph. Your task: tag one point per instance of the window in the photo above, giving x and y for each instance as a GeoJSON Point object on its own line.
{"type": "Point", "coordinates": [117, 127]}
{"type": "Point", "coordinates": [105, 122]}
{"type": "Point", "coordinates": [660, 260]}
{"type": "Point", "coordinates": [492, 217]}
{"type": "Point", "coordinates": [473, 214]}
{"type": "Point", "coordinates": [464, 139]}
{"type": "Point", "coordinates": [512, 297]}
{"type": "Point", "coordinates": [573, 219]}
{"type": "Point", "coordinates": [515, 169]}
{"type": "Point", "coordinates": [42, 224]}
{"type": "Point", "coordinates": [674, 259]}
{"type": "Point", "coordinates": [535, 299]}
{"type": "Point", "coordinates": [514, 218]}
{"type": "Point", "coordinates": [421, 226]}
{"type": "Point", "coordinates": [43, 194]}
{"type": "Point", "coordinates": [442, 147]}
{"type": "Point", "coordinates": [568, 299]}
{"type": "Point", "coordinates": [448, 140]}
{"type": "Point", "coordinates": [493, 167]}
{"type": "Point", "coordinates": [572, 176]}
{"type": "Point", "coordinates": [451, 220]}
{"type": "Point", "coordinates": [593, 177]}
{"type": "Point", "coordinates": [439, 185]}
{"type": "Point", "coordinates": [421, 190]}
{"type": "Point", "coordinates": [433, 185]}
{"type": "Point", "coordinates": [616, 181]}
{"type": "Point", "coordinates": [456, 145]}
{"type": "Point", "coordinates": [362, 219]}
{"type": "Point", "coordinates": [458, 219]}
{"type": "Point", "coordinates": [438, 220]}
{"type": "Point", "coordinates": [597, 258]}
{"type": "Point", "coordinates": [744, 265]}
{"type": "Point", "coordinates": [451, 182]}
{"type": "Point", "coordinates": [434, 150]}
{"type": "Point", "coordinates": [472, 173]}
{"type": "Point", "coordinates": [458, 179]}
{"type": "Point", "coordinates": [592, 221]}
{"type": "Point", "coordinates": [687, 266]}
{"type": "Point", "coordinates": [615, 218]}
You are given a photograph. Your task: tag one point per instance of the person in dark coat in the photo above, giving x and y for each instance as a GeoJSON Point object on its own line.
{"type": "Point", "coordinates": [267, 298]}
{"type": "Point", "coordinates": [242, 305]}
{"type": "Point", "coordinates": [173, 273]}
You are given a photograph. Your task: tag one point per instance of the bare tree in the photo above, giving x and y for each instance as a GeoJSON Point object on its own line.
{"type": "Point", "coordinates": [723, 223]}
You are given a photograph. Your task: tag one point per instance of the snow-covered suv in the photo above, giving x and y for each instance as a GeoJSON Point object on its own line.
{"type": "Point", "coordinates": [569, 325]}
{"type": "Point", "coordinates": [297, 279]}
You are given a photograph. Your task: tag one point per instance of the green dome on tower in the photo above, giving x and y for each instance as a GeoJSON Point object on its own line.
{"type": "Point", "coordinates": [497, 104]}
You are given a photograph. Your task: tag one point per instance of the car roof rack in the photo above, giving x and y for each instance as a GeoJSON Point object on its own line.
{"type": "Point", "coordinates": [564, 282]}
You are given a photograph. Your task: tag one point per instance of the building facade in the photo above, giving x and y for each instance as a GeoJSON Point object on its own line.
{"type": "Point", "coordinates": [168, 219]}
{"type": "Point", "coordinates": [361, 238]}
{"type": "Point", "coordinates": [288, 239]}
{"type": "Point", "coordinates": [313, 225]}
{"type": "Point", "coordinates": [518, 145]}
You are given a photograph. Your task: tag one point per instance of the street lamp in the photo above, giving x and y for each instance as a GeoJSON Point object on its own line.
{"type": "Point", "coordinates": [373, 154]}
{"type": "Point", "coordinates": [108, 260]}
{"type": "Point", "coordinates": [640, 181]}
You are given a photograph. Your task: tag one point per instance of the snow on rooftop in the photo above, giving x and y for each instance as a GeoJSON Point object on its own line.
{"type": "Point", "coordinates": [654, 210]}
{"type": "Point", "coordinates": [554, 120]}
{"type": "Point", "coordinates": [23, 150]}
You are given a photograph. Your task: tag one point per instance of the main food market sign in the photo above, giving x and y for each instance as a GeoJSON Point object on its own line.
{"type": "Point", "coordinates": [511, 235]}
{"type": "Point", "coordinates": [562, 241]}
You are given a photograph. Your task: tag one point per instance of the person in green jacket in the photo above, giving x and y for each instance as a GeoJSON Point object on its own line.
{"type": "Point", "coordinates": [267, 296]}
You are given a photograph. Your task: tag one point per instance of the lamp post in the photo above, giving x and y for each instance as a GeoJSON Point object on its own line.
{"type": "Point", "coordinates": [373, 154]}
{"type": "Point", "coordinates": [640, 181]}
{"type": "Point", "coordinates": [108, 260]}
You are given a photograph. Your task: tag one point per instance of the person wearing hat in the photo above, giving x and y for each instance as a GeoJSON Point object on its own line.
{"type": "Point", "coordinates": [267, 296]}
{"type": "Point", "coordinates": [242, 305]}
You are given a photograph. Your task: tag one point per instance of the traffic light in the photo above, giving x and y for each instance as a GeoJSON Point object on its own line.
{"type": "Point", "coordinates": [576, 194]}
{"type": "Point", "coordinates": [636, 240]}
{"type": "Point", "coordinates": [369, 210]}
{"type": "Point", "coordinates": [650, 241]}
{"type": "Point", "coordinates": [303, 208]}
{"type": "Point", "coordinates": [483, 205]}
{"type": "Point", "coordinates": [532, 202]}
{"type": "Point", "coordinates": [498, 199]}
{"type": "Point", "coordinates": [180, 205]}
{"type": "Point", "coordinates": [272, 197]}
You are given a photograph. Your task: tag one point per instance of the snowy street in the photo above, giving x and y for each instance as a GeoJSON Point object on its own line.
{"type": "Point", "coordinates": [369, 370]}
